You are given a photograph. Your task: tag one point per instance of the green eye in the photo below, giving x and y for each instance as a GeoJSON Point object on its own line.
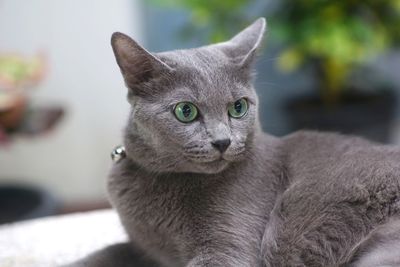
{"type": "Point", "coordinates": [238, 109]}
{"type": "Point", "coordinates": [185, 112]}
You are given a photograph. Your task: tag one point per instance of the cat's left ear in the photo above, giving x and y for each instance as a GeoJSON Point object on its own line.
{"type": "Point", "coordinates": [243, 46]}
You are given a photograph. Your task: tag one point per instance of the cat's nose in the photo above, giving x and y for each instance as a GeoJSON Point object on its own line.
{"type": "Point", "coordinates": [221, 145]}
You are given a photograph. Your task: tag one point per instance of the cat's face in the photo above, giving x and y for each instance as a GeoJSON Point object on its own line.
{"type": "Point", "coordinates": [192, 110]}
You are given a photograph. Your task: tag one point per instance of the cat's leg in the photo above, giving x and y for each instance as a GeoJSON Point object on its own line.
{"type": "Point", "coordinates": [311, 225]}
{"type": "Point", "coordinates": [119, 255]}
{"type": "Point", "coordinates": [380, 248]}
{"type": "Point", "coordinates": [278, 252]}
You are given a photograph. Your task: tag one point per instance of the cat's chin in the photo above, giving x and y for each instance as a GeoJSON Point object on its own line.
{"type": "Point", "coordinates": [211, 167]}
{"type": "Point", "coordinates": [214, 166]}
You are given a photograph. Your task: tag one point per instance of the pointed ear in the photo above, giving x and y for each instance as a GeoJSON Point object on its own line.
{"type": "Point", "coordinates": [243, 46]}
{"type": "Point", "coordinates": [136, 63]}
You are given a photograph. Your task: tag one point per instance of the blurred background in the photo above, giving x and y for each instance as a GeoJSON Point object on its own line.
{"type": "Point", "coordinates": [325, 65]}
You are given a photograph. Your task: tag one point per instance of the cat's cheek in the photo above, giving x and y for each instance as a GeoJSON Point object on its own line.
{"type": "Point", "coordinates": [181, 134]}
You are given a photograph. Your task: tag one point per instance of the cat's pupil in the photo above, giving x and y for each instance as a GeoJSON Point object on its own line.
{"type": "Point", "coordinates": [238, 106]}
{"type": "Point", "coordinates": [186, 110]}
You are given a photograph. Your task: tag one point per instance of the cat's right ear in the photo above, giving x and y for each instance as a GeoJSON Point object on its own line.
{"type": "Point", "coordinates": [244, 45]}
{"type": "Point", "coordinates": [136, 63]}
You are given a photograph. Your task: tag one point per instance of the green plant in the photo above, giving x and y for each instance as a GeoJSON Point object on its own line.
{"type": "Point", "coordinates": [333, 36]}
{"type": "Point", "coordinates": [17, 71]}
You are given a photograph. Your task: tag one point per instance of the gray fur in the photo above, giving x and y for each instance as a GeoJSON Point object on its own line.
{"type": "Point", "coordinates": [308, 199]}
{"type": "Point", "coordinates": [380, 248]}
{"type": "Point", "coordinates": [340, 189]}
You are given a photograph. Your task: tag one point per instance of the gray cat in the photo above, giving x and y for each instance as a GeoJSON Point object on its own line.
{"type": "Point", "coordinates": [202, 185]}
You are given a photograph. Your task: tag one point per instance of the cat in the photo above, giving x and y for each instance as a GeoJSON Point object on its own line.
{"type": "Point", "coordinates": [380, 248]}
{"type": "Point", "coordinates": [202, 185]}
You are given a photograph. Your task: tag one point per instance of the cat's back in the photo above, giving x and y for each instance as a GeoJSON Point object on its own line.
{"type": "Point", "coordinates": [321, 145]}
{"type": "Point", "coordinates": [343, 171]}
{"type": "Point", "coordinates": [331, 154]}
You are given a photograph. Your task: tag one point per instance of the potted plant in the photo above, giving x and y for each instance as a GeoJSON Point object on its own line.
{"type": "Point", "coordinates": [336, 39]}
{"type": "Point", "coordinates": [17, 75]}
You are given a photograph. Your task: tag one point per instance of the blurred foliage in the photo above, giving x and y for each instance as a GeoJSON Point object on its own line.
{"type": "Point", "coordinates": [333, 36]}
{"type": "Point", "coordinates": [17, 71]}
{"type": "Point", "coordinates": [220, 18]}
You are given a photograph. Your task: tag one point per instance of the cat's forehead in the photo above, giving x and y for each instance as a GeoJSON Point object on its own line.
{"type": "Point", "coordinates": [206, 60]}
{"type": "Point", "coordinates": [204, 72]}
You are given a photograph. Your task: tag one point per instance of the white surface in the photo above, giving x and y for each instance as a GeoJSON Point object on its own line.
{"type": "Point", "coordinates": [72, 161]}
{"type": "Point", "coordinates": [58, 240]}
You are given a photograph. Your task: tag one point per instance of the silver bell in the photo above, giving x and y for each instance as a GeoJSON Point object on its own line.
{"type": "Point", "coordinates": [118, 153]}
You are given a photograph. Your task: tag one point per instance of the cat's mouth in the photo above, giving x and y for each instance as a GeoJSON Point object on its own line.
{"type": "Point", "coordinates": [215, 159]}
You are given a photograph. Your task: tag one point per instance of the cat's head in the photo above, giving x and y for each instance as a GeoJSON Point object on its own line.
{"type": "Point", "coordinates": [193, 110]}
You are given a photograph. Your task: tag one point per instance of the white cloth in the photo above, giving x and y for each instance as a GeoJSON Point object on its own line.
{"type": "Point", "coordinates": [58, 240]}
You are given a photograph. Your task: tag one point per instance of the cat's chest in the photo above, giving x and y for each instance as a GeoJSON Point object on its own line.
{"type": "Point", "coordinates": [169, 215]}
{"type": "Point", "coordinates": [157, 207]}
{"type": "Point", "coordinates": [157, 213]}
{"type": "Point", "coordinates": [148, 204]}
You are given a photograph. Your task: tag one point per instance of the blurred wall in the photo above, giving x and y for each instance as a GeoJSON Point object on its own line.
{"type": "Point", "coordinates": [73, 160]}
